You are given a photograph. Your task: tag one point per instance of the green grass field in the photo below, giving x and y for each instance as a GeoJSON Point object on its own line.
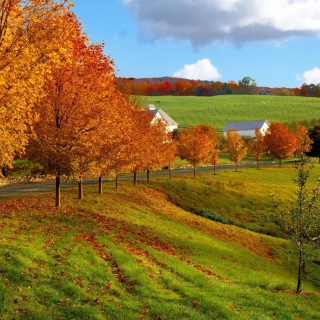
{"type": "Point", "coordinates": [135, 253]}
{"type": "Point", "coordinates": [218, 110]}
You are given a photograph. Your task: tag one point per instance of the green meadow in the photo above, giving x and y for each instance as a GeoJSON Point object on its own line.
{"type": "Point", "coordinates": [146, 252]}
{"type": "Point", "coordinates": [218, 110]}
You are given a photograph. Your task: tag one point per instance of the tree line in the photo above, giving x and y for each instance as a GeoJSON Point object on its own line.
{"type": "Point", "coordinates": [60, 106]}
{"type": "Point", "coordinates": [183, 87]}
{"type": "Point", "coordinates": [202, 145]}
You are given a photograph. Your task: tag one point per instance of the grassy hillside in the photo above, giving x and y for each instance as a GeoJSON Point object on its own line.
{"type": "Point", "coordinates": [219, 110]}
{"type": "Point", "coordinates": [134, 253]}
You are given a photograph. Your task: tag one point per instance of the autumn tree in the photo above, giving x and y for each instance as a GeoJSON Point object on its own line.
{"type": "Point", "coordinates": [30, 33]}
{"type": "Point", "coordinates": [257, 146]}
{"type": "Point", "coordinates": [215, 146]}
{"type": "Point", "coordinates": [303, 141]}
{"type": "Point", "coordinates": [161, 149]}
{"type": "Point", "coordinates": [114, 152]}
{"type": "Point", "coordinates": [146, 148]}
{"type": "Point", "coordinates": [194, 146]}
{"type": "Point", "coordinates": [169, 150]}
{"type": "Point", "coordinates": [280, 141]}
{"type": "Point", "coordinates": [235, 147]}
{"type": "Point", "coordinates": [76, 113]}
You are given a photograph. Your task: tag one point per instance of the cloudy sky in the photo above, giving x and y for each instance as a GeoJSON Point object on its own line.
{"type": "Point", "coordinates": [275, 42]}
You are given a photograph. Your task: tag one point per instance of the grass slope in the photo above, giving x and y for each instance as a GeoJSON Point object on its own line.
{"type": "Point", "coordinates": [218, 110]}
{"type": "Point", "coordinates": [133, 254]}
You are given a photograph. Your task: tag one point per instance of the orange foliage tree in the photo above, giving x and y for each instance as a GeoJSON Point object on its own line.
{"type": "Point", "coordinates": [30, 34]}
{"type": "Point", "coordinates": [280, 141]}
{"type": "Point", "coordinates": [76, 114]}
{"type": "Point", "coordinates": [215, 148]}
{"type": "Point", "coordinates": [159, 151]}
{"type": "Point", "coordinates": [303, 141]}
{"type": "Point", "coordinates": [257, 146]}
{"type": "Point", "coordinates": [169, 152]}
{"type": "Point", "coordinates": [147, 146]}
{"type": "Point", "coordinates": [114, 158]}
{"type": "Point", "coordinates": [235, 146]}
{"type": "Point", "coordinates": [195, 145]}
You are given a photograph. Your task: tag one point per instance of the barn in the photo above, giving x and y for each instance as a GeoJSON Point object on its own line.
{"type": "Point", "coordinates": [160, 114]}
{"type": "Point", "coordinates": [247, 128]}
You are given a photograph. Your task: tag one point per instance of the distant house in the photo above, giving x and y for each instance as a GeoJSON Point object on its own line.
{"type": "Point", "coordinates": [160, 114]}
{"type": "Point", "coordinates": [247, 128]}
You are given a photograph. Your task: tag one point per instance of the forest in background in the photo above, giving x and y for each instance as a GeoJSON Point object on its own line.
{"type": "Point", "coordinates": [162, 86]}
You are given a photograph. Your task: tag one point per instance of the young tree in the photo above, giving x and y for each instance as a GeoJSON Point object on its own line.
{"type": "Point", "coordinates": [257, 147]}
{"type": "Point", "coordinates": [280, 141]}
{"type": "Point", "coordinates": [161, 151]}
{"type": "Point", "coordinates": [169, 152]}
{"type": "Point", "coordinates": [148, 146]}
{"type": "Point", "coordinates": [303, 221]}
{"type": "Point", "coordinates": [114, 157]}
{"type": "Point", "coordinates": [303, 141]}
{"type": "Point", "coordinates": [235, 147]}
{"type": "Point", "coordinates": [215, 148]}
{"type": "Point", "coordinates": [194, 146]}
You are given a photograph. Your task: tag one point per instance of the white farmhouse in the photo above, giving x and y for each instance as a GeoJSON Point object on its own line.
{"type": "Point", "coordinates": [160, 114]}
{"type": "Point", "coordinates": [247, 128]}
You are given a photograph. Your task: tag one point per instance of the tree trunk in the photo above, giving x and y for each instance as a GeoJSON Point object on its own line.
{"type": "Point", "coordinates": [148, 176]}
{"type": "Point", "coordinates": [194, 171]}
{"type": "Point", "coordinates": [117, 181]}
{"type": "Point", "coordinates": [100, 185]}
{"type": "Point", "coordinates": [280, 162]}
{"type": "Point", "coordinates": [80, 188]}
{"type": "Point", "coordinates": [236, 166]}
{"type": "Point", "coordinates": [258, 164]}
{"type": "Point", "coordinates": [169, 170]}
{"type": "Point", "coordinates": [58, 191]}
{"type": "Point", "coordinates": [300, 269]}
{"type": "Point", "coordinates": [135, 178]}
{"type": "Point", "coordinates": [214, 169]}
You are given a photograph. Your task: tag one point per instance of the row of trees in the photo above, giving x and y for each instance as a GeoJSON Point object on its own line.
{"type": "Point", "coordinates": [59, 103]}
{"type": "Point", "coordinates": [179, 87]}
{"type": "Point", "coordinates": [308, 90]}
{"type": "Point", "coordinates": [183, 87]}
{"type": "Point", "coordinates": [202, 145]}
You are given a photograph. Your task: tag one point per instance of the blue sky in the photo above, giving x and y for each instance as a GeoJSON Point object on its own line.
{"type": "Point", "coordinates": [275, 42]}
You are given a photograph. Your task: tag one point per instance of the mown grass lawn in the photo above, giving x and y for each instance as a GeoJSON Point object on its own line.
{"type": "Point", "coordinates": [217, 111]}
{"type": "Point", "coordinates": [134, 253]}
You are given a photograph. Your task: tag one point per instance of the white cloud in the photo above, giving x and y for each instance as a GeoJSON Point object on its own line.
{"type": "Point", "coordinates": [312, 76]}
{"type": "Point", "coordinates": [201, 70]}
{"type": "Point", "coordinates": [204, 21]}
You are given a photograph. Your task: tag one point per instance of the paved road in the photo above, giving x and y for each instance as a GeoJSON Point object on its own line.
{"type": "Point", "coordinates": [39, 187]}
